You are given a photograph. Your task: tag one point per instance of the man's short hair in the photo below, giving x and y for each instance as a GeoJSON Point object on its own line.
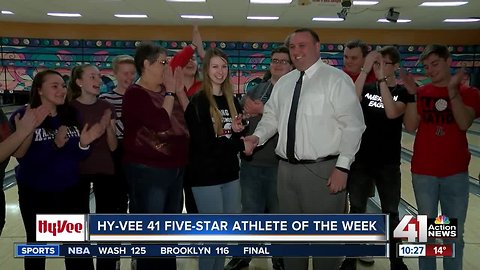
{"type": "Point", "coordinates": [440, 50]}
{"type": "Point", "coordinates": [356, 43]}
{"type": "Point", "coordinates": [122, 59]}
{"type": "Point", "coordinates": [392, 52]}
{"type": "Point", "coordinates": [301, 30]}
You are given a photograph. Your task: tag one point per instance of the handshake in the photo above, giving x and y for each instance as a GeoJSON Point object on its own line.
{"type": "Point", "coordinates": [250, 143]}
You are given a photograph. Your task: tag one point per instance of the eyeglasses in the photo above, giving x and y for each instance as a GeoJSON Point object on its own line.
{"type": "Point", "coordinates": [280, 61]}
{"type": "Point", "coordinates": [163, 62]}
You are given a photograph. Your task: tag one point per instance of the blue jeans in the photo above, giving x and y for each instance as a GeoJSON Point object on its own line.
{"type": "Point", "coordinates": [154, 190]}
{"type": "Point", "coordinates": [259, 188]}
{"type": "Point", "coordinates": [217, 199]}
{"type": "Point", "coordinates": [452, 192]}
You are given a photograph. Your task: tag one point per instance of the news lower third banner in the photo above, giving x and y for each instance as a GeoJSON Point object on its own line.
{"type": "Point", "coordinates": [213, 228]}
{"type": "Point", "coordinates": [194, 250]}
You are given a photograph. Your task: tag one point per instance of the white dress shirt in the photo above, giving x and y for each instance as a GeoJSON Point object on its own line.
{"type": "Point", "coordinates": [329, 117]}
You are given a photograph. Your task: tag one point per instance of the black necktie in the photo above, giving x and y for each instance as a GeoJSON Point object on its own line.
{"type": "Point", "coordinates": [292, 119]}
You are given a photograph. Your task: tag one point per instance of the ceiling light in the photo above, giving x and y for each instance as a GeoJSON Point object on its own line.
{"type": "Point", "coordinates": [443, 4]}
{"type": "Point", "coordinates": [322, 19]}
{"type": "Point", "coordinates": [462, 20]}
{"type": "Point", "coordinates": [207, 17]}
{"type": "Point", "coordinates": [398, 21]}
{"type": "Point", "coordinates": [262, 18]}
{"type": "Point", "coordinates": [191, 1]}
{"type": "Point", "coordinates": [270, 1]}
{"type": "Point", "coordinates": [364, 3]}
{"type": "Point", "coordinates": [61, 14]}
{"type": "Point", "coordinates": [130, 16]}
{"type": "Point", "coordinates": [7, 12]}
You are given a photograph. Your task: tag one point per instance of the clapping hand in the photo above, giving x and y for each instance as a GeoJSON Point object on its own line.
{"type": "Point", "coordinates": [90, 134]}
{"type": "Point", "coordinates": [179, 81]}
{"type": "Point", "coordinates": [31, 119]}
{"type": "Point", "coordinates": [454, 83]}
{"type": "Point", "coordinates": [61, 137]}
{"type": "Point", "coordinates": [408, 82]}
{"type": "Point", "coordinates": [169, 79]}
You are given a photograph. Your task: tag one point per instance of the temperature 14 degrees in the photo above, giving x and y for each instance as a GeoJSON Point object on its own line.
{"type": "Point", "coordinates": [439, 250]}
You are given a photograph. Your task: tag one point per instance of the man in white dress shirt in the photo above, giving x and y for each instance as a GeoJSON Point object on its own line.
{"type": "Point", "coordinates": [312, 175]}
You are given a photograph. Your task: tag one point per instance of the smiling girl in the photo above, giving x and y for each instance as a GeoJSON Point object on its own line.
{"type": "Point", "coordinates": [215, 132]}
{"type": "Point", "coordinates": [48, 172]}
{"type": "Point", "coordinates": [98, 168]}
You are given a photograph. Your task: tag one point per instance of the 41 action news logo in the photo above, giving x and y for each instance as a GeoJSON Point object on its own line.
{"type": "Point", "coordinates": [420, 228]}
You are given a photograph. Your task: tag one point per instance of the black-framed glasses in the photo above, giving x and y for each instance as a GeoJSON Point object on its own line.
{"type": "Point", "coordinates": [280, 61]}
{"type": "Point", "coordinates": [389, 63]}
{"type": "Point", "coordinates": [163, 62]}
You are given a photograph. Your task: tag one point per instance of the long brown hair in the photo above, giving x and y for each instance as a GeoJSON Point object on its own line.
{"type": "Point", "coordinates": [74, 90]}
{"type": "Point", "coordinates": [226, 89]}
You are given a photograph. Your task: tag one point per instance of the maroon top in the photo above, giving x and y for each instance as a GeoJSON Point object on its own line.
{"type": "Point", "coordinates": [100, 159]}
{"type": "Point", "coordinates": [152, 137]}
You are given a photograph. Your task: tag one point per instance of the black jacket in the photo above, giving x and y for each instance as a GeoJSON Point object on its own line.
{"type": "Point", "coordinates": [213, 160]}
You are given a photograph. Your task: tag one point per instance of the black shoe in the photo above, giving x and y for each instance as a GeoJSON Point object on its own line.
{"type": "Point", "coordinates": [237, 263]}
{"type": "Point", "coordinates": [349, 264]}
{"type": "Point", "coordinates": [399, 265]}
{"type": "Point", "coordinates": [277, 264]}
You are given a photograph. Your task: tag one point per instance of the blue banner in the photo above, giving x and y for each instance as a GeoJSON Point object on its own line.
{"type": "Point", "coordinates": [194, 250]}
{"type": "Point", "coordinates": [37, 250]}
{"type": "Point", "coordinates": [241, 227]}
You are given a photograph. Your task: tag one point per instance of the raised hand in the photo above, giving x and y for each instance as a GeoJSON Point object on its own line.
{"type": "Point", "coordinates": [31, 119]}
{"type": "Point", "coordinates": [454, 83]}
{"type": "Point", "coordinates": [106, 119]}
{"type": "Point", "coordinates": [61, 137]}
{"type": "Point", "coordinates": [408, 82]}
{"type": "Point", "coordinates": [251, 143]}
{"type": "Point", "coordinates": [108, 122]}
{"type": "Point", "coordinates": [90, 134]}
{"type": "Point", "coordinates": [179, 83]}
{"type": "Point", "coordinates": [41, 112]}
{"type": "Point", "coordinates": [169, 80]}
{"type": "Point", "coordinates": [379, 69]}
{"type": "Point", "coordinates": [196, 37]}
{"type": "Point", "coordinates": [370, 59]}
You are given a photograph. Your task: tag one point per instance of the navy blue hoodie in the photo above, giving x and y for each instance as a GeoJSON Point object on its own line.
{"type": "Point", "coordinates": [45, 167]}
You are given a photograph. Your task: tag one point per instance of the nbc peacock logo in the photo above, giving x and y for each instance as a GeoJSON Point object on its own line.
{"type": "Point", "coordinates": [442, 220]}
{"type": "Point", "coordinates": [442, 227]}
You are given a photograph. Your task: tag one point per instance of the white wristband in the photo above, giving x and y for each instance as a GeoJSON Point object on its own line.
{"type": "Point", "coordinates": [83, 148]}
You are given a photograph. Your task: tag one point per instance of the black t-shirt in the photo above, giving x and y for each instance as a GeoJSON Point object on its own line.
{"type": "Point", "coordinates": [381, 141]}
